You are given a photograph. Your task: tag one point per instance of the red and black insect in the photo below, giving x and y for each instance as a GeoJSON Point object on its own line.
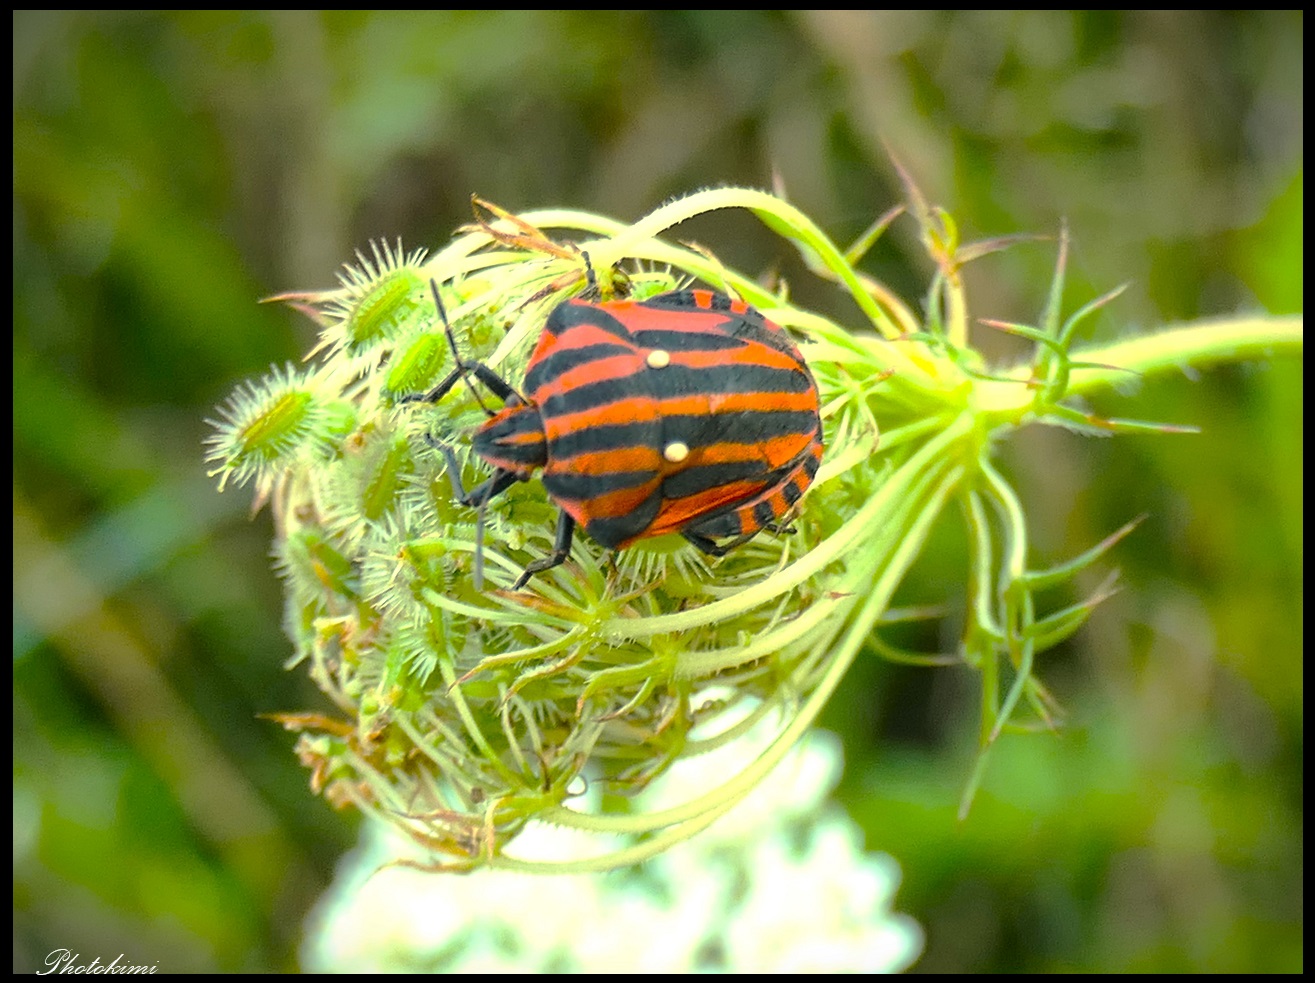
{"type": "Point", "coordinates": [687, 412]}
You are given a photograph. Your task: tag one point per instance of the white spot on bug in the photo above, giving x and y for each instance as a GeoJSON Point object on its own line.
{"type": "Point", "coordinates": [675, 452]}
{"type": "Point", "coordinates": [658, 359]}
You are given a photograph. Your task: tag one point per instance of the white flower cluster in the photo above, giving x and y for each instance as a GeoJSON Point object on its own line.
{"type": "Point", "coordinates": [780, 884]}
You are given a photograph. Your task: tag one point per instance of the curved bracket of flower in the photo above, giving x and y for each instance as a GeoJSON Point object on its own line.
{"type": "Point", "coordinates": [468, 713]}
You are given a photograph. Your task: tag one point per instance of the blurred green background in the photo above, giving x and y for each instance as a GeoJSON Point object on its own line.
{"type": "Point", "coordinates": [171, 170]}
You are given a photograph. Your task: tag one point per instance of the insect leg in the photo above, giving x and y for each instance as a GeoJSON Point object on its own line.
{"type": "Point", "coordinates": [486, 375]}
{"type": "Point", "coordinates": [481, 493]}
{"type": "Point", "coordinates": [477, 497]}
{"type": "Point", "coordinates": [711, 547]}
{"type": "Point", "coordinates": [561, 550]}
{"type": "Point", "coordinates": [497, 385]}
{"type": "Point", "coordinates": [435, 394]}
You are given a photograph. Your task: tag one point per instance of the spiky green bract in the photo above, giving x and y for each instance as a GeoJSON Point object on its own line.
{"type": "Point", "coordinates": [461, 714]}
{"type": "Point", "coordinates": [381, 298]}
{"type": "Point", "coordinates": [268, 425]}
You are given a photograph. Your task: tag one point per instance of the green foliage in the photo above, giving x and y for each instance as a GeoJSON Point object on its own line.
{"type": "Point", "coordinates": [170, 169]}
{"type": "Point", "coordinates": [447, 680]}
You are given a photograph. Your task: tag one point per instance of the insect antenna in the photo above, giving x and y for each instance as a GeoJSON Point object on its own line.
{"type": "Point", "coordinates": [590, 277]}
{"type": "Point", "coordinates": [452, 343]}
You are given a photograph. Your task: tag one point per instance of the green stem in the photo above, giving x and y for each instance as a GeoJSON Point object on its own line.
{"type": "Point", "coordinates": [1201, 344]}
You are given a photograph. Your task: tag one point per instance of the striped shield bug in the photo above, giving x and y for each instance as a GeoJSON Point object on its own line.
{"type": "Point", "coordinates": [687, 412]}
